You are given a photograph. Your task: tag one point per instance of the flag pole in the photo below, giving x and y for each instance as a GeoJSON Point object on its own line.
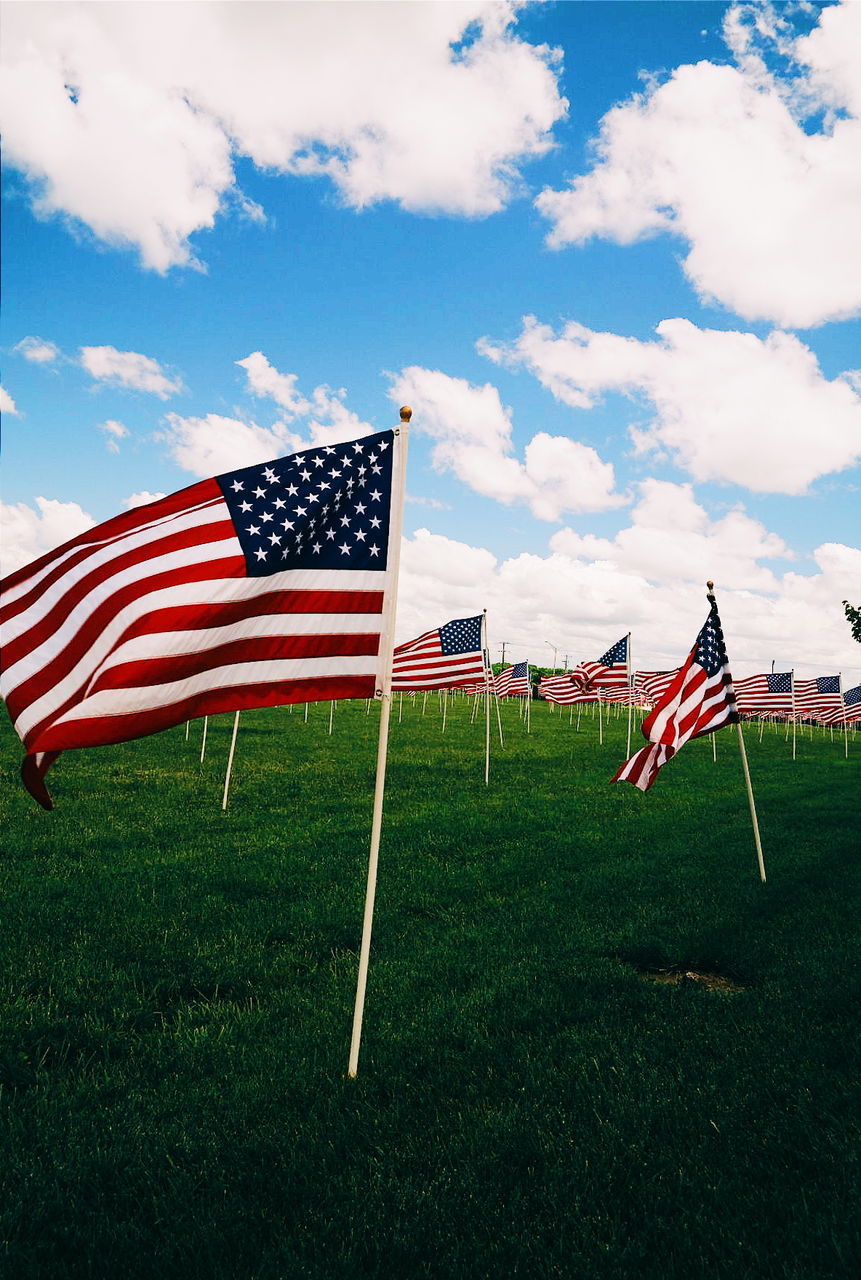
{"type": "Point", "coordinates": [485, 651]}
{"type": "Point", "coordinates": [203, 743]}
{"type": "Point", "coordinates": [230, 761]}
{"type": "Point", "coordinates": [630, 696]}
{"type": "Point", "coordinates": [792, 681]}
{"type": "Point", "coordinates": [711, 598]}
{"type": "Point", "coordinates": [387, 647]}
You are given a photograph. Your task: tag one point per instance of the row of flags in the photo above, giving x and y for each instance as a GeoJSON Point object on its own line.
{"type": "Point", "coordinates": [269, 585]}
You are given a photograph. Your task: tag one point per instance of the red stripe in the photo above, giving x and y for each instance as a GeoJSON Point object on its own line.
{"type": "Point", "coordinates": [146, 673]}
{"type": "Point", "coordinates": [104, 730]}
{"type": "Point", "coordinates": [117, 526]}
{"type": "Point", "coordinates": [64, 662]}
{"type": "Point", "coordinates": [58, 613]}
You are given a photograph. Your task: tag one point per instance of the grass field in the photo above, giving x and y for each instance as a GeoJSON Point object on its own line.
{"type": "Point", "coordinates": [178, 986]}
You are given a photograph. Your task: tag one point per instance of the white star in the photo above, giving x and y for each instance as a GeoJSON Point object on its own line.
{"type": "Point", "coordinates": [344, 548]}
{"type": "Point", "coordinates": [334, 474]}
{"type": "Point", "coordinates": [237, 485]}
{"type": "Point", "coordinates": [269, 474]}
{"type": "Point", "coordinates": [316, 548]}
{"type": "Point", "coordinates": [384, 444]}
{"type": "Point", "coordinates": [259, 493]}
{"type": "Point", "coordinates": [287, 524]}
{"type": "Point", "coordinates": [245, 506]}
{"type": "Point", "coordinates": [377, 470]}
{"type": "Point", "coordinates": [298, 460]}
{"type": "Point", "coordinates": [260, 553]}
{"type": "Point", "coordinates": [324, 484]}
{"type": "Point", "coordinates": [318, 462]}
{"type": "Point", "coordinates": [313, 497]}
{"type": "Point", "coordinates": [372, 457]}
{"type": "Point", "coordinates": [328, 449]}
{"type": "Point", "coordinates": [375, 551]}
{"type": "Point", "coordinates": [358, 447]}
{"type": "Point", "coordinates": [330, 534]}
{"type": "Point", "coordinates": [253, 528]}
{"type": "Point", "coordinates": [375, 523]}
{"type": "Point", "coordinates": [279, 503]}
{"type": "Point", "coordinates": [376, 495]}
{"type": "Point", "coordinates": [274, 537]}
{"type": "Point", "coordinates": [306, 475]}
{"type": "Point", "coordinates": [361, 535]}
{"type": "Point", "coordinates": [300, 511]}
{"type": "Point", "coordinates": [266, 517]}
{"type": "Point", "coordinates": [345, 520]}
{"type": "Point", "coordinates": [292, 490]}
{"type": "Point", "coordinates": [360, 508]}
{"type": "Point", "coordinates": [362, 470]}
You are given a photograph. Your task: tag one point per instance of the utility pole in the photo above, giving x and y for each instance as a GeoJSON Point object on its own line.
{"type": "Point", "coordinates": [504, 643]}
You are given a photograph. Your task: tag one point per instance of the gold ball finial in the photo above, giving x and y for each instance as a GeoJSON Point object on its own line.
{"type": "Point", "coordinates": [710, 585]}
{"type": "Point", "coordinates": [406, 413]}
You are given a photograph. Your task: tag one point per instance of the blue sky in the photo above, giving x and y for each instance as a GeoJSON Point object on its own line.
{"type": "Point", "coordinates": [363, 203]}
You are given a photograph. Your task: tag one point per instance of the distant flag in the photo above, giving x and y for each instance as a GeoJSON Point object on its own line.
{"type": "Point", "coordinates": [561, 690]}
{"type": "Point", "coordinates": [449, 657]}
{"type": "Point", "coordinates": [652, 685]}
{"type": "Point", "coordinates": [819, 699]}
{"type": "Point", "coordinates": [769, 694]}
{"type": "Point", "coordinates": [258, 587]}
{"type": "Point", "coordinates": [513, 681]}
{"type": "Point", "coordinates": [698, 700]}
{"type": "Point", "coordinates": [852, 704]}
{"type": "Point", "coordinates": [609, 672]}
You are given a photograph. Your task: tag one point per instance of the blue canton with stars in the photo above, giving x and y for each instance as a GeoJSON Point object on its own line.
{"type": "Point", "coordinates": [711, 650]}
{"type": "Point", "coordinates": [324, 508]}
{"type": "Point", "coordinates": [779, 682]}
{"type": "Point", "coordinates": [828, 684]}
{"type": "Point", "coordinates": [618, 653]}
{"type": "Point", "coordinates": [463, 635]}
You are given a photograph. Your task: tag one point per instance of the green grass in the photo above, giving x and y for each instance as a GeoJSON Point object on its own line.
{"type": "Point", "coordinates": [178, 986]}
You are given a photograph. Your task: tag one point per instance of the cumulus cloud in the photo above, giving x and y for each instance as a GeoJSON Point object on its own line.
{"type": "Point", "coordinates": [127, 118]}
{"type": "Point", "coordinates": [141, 499]}
{"type": "Point", "coordinates": [733, 160]}
{"type": "Point", "coordinates": [728, 406]}
{"type": "Point", "coordinates": [129, 369]}
{"type": "Point", "coordinates": [28, 533]}
{"type": "Point", "coordinates": [115, 432]}
{"type": "Point", "coordinates": [583, 605]}
{"type": "Point", "coordinates": [37, 350]}
{"type": "Point", "coordinates": [7, 404]}
{"type": "Point", "coordinates": [473, 434]}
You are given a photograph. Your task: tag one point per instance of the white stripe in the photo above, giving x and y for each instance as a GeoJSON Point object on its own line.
{"type": "Point", "coordinates": [111, 551]}
{"type": "Point", "coordinates": [165, 644]}
{"type": "Point", "coordinates": [116, 702]}
{"type": "Point", "coordinates": [215, 591]}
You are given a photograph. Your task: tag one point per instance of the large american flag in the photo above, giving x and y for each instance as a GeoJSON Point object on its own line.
{"type": "Point", "coordinates": [609, 672]}
{"type": "Point", "coordinates": [513, 681]}
{"type": "Point", "coordinates": [449, 657]}
{"type": "Point", "coordinates": [699, 700]}
{"type": "Point", "coordinates": [769, 694]}
{"type": "Point", "coordinates": [262, 586]}
{"type": "Point", "coordinates": [819, 699]}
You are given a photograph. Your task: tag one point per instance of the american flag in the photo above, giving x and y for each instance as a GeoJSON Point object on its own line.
{"type": "Point", "coordinates": [262, 586]}
{"type": "Point", "coordinates": [852, 704]}
{"type": "Point", "coordinates": [769, 694]}
{"type": "Point", "coordinates": [513, 681]}
{"type": "Point", "coordinates": [819, 699]}
{"type": "Point", "coordinates": [609, 672]}
{"type": "Point", "coordinates": [449, 657]}
{"type": "Point", "coordinates": [699, 700]}
{"type": "Point", "coordinates": [652, 685]}
{"type": "Point", "coordinates": [560, 689]}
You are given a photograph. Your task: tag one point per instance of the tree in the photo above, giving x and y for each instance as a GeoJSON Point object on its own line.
{"type": "Point", "coordinates": [853, 617]}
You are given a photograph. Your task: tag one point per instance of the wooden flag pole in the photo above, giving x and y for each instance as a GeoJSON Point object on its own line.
{"type": "Point", "coordinates": [711, 599]}
{"type": "Point", "coordinates": [395, 525]}
{"type": "Point", "coordinates": [230, 761]}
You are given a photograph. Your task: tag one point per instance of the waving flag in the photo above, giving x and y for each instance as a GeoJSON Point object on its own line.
{"type": "Point", "coordinates": [697, 701]}
{"type": "Point", "coordinates": [819, 699]}
{"type": "Point", "coordinates": [652, 685]}
{"type": "Point", "coordinates": [562, 690]}
{"type": "Point", "coordinates": [449, 657]}
{"type": "Point", "coordinates": [609, 672]}
{"type": "Point", "coordinates": [258, 587]}
{"type": "Point", "coordinates": [852, 704]}
{"type": "Point", "coordinates": [513, 681]}
{"type": "Point", "coordinates": [765, 695]}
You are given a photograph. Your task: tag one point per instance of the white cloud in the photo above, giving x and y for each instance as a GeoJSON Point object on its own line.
{"type": "Point", "coordinates": [473, 430]}
{"type": "Point", "coordinates": [583, 605]}
{"type": "Point", "coordinates": [729, 406]}
{"type": "Point", "coordinates": [37, 350]}
{"type": "Point", "coordinates": [7, 404]}
{"type": "Point", "coordinates": [115, 432]}
{"type": "Point", "coordinates": [127, 117]}
{"type": "Point", "coordinates": [265, 380]}
{"type": "Point", "coordinates": [129, 369]}
{"type": "Point", "coordinates": [141, 499]}
{"type": "Point", "coordinates": [767, 203]}
{"type": "Point", "coordinates": [28, 533]}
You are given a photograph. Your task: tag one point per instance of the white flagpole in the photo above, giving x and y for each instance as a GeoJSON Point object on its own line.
{"type": "Point", "coordinates": [485, 650]}
{"type": "Point", "coordinates": [203, 743]}
{"type": "Point", "coordinates": [793, 712]}
{"type": "Point", "coordinates": [600, 722]}
{"type": "Point", "coordinates": [230, 761]}
{"type": "Point", "coordinates": [444, 707]}
{"type": "Point", "coordinates": [399, 475]}
{"type": "Point", "coordinates": [331, 714]}
{"type": "Point", "coordinates": [630, 697]}
{"type": "Point", "coordinates": [187, 727]}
